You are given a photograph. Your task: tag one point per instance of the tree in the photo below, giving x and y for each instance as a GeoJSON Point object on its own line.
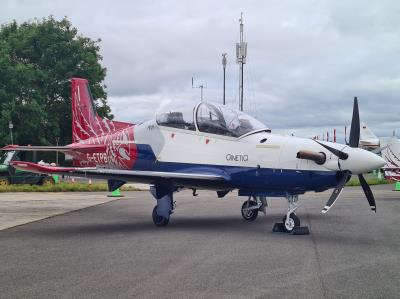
{"type": "Point", "coordinates": [37, 59]}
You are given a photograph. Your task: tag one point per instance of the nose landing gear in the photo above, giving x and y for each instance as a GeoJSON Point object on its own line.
{"type": "Point", "coordinates": [291, 223]}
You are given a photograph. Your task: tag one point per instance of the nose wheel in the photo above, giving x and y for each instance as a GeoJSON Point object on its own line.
{"type": "Point", "coordinates": [291, 223]}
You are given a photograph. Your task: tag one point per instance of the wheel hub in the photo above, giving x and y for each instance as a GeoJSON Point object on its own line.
{"type": "Point", "coordinates": [248, 212]}
{"type": "Point", "coordinates": [289, 224]}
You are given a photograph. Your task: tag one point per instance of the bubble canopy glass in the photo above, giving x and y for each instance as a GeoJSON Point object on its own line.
{"type": "Point", "coordinates": [210, 118]}
{"type": "Point", "coordinates": [221, 120]}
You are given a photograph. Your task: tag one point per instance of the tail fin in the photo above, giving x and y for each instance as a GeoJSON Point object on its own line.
{"type": "Point", "coordinates": [368, 139]}
{"type": "Point", "coordinates": [366, 132]}
{"type": "Point", "coordinates": [85, 121]}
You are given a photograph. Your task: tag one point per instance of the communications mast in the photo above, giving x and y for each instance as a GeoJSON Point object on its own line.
{"type": "Point", "coordinates": [241, 53]}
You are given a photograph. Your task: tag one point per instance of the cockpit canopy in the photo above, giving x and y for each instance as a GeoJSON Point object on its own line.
{"type": "Point", "coordinates": [209, 118]}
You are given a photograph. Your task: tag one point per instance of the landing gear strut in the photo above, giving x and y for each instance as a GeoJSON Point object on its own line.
{"type": "Point", "coordinates": [291, 223]}
{"type": "Point", "coordinates": [252, 206]}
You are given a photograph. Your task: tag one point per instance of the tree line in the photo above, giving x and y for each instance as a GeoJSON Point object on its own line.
{"type": "Point", "coordinates": [37, 59]}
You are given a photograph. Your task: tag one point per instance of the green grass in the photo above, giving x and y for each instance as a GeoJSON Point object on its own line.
{"type": "Point", "coordinates": [370, 180]}
{"type": "Point", "coordinates": [102, 187]}
{"type": "Point", "coordinates": [62, 187]}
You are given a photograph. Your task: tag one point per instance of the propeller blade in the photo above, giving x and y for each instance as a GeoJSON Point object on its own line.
{"type": "Point", "coordinates": [341, 155]}
{"type": "Point", "coordinates": [368, 193]}
{"type": "Point", "coordinates": [355, 126]}
{"type": "Point", "coordinates": [336, 192]}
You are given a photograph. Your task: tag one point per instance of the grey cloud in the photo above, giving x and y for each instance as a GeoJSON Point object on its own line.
{"type": "Point", "coordinates": [306, 59]}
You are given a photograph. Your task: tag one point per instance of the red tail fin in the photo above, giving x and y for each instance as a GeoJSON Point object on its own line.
{"type": "Point", "coordinates": [85, 121]}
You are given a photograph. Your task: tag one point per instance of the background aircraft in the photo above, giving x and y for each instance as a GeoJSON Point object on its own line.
{"type": "Point", "coordinates": [208, 146]}
{"type": "Point", "coordinates": [368, 140]}
{"type": "Point", "coordinates": [391, 153]}
{"type": "Point", "coordinates": [388, 147]}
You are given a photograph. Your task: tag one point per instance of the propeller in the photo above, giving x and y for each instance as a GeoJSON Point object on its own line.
{"type": "Point", "coordinates": [337, 191]}
{"type": "Point", "coordinates": [346, 174]}
{"type": "Point", "coordinates": [341, 155]}
{"type": "Point", "coordinates": [355, 126]}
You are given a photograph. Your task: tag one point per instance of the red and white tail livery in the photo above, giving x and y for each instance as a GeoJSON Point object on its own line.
{"type": "Point", "coordinates": [85, 121]}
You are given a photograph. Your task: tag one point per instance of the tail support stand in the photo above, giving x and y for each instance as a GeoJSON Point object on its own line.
{"type": "Point", "coordinates": [291, 223]}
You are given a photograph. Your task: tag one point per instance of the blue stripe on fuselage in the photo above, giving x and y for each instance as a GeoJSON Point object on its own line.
{"type": "Point", "coordinates": [245, 178]}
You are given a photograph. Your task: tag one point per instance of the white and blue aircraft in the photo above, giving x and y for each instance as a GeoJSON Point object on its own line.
{"type": "Point", "coordinates": [208, 146]}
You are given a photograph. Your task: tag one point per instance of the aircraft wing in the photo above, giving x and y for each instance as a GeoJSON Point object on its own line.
{"type": "Point", "coordinates": [186, 179]}
{"type": "Point", "coordinates": [83, 148]}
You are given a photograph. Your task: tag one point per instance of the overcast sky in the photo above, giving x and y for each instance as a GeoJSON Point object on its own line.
{"type": "Point", "coordinates": [306, 59]}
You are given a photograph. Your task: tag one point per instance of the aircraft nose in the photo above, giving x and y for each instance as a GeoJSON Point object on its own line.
{"type": "Point", "coordinates": [361, 161]}
{"type": "Point", "coordinates": [376, 162]}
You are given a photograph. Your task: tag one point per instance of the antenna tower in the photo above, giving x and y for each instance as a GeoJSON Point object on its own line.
{"type": "Point", "coordinates": [201, 89]}
{"type": "Point", "coordinates": [241, 53]}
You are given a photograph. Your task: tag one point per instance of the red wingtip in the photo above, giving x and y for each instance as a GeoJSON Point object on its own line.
{"type": "Point", "coordinates": [10, 147]}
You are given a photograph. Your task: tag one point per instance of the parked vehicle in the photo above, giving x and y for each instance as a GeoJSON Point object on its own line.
{"type": "Point", "coordinates": [10, 175]}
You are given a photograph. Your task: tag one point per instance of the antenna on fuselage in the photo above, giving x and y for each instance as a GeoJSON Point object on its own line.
{"type": "Point", "coordinates": [201, 89]}
{"type": "Point", "coordinates": [241, 53]}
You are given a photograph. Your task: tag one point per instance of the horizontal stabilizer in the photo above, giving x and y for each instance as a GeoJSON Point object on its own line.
{"type": "Point", "coordinates": [83, 148]}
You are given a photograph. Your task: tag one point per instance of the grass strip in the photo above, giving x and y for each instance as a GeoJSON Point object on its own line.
{"type": "Point", "coordinates": [102, 187]}
{"type": "Point", "coordinates": [62, 187]}
{"type": "Point", "coordinates": [354, 181]}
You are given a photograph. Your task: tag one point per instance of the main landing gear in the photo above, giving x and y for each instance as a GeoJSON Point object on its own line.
{"type": "Point", "coordinates": [165, 204]}
{"type": "Point", "coordinates": [291, 223]}
{"type": "Point", "coordinates": [252, 206]}
{"type": "Point", "coordinates": [159, 220]}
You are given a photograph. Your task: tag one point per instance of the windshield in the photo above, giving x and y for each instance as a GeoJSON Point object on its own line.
{"type": "Point", "coordinates": [221, 120]}
{"type": "Point", "coordinates": [6, 158]}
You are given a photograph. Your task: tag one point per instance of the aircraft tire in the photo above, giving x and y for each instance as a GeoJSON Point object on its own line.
{"type": "Point", "coordinates": [159, 220]}
{"type": "Point", "coordinates": [249, 215]}
{"type": "Point", "coordinates": [294, 221]}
